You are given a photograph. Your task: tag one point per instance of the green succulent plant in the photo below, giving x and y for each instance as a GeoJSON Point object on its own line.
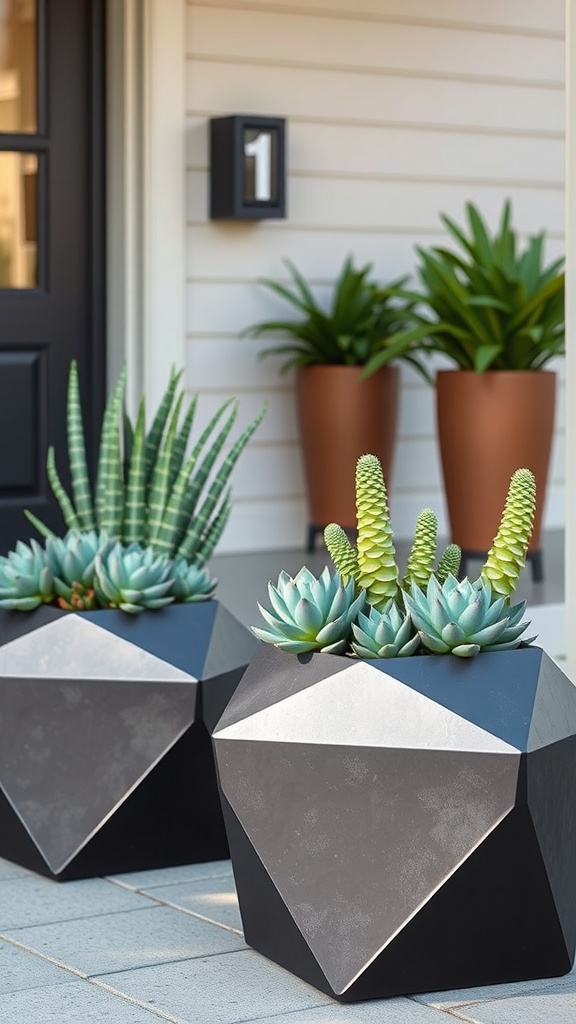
{"type": "Point", "coordinates": [377, 569]}
{"type": "Point", "coordinates": [72, 561]}
{"type": "Point", "coordinates": [310, 613]}
{"type": "Point", "coordinates": [421, 558]}
{"type": "Point", "coordinates": [26, 579]}
{"type": "Point", "coordinates": [363, 319]}
{"type": "Point", "coordinates": [507, 556]}
{"type": "Point", "coordinates": [449, 564]}
{"type": "Point", "coordinates": [388, 633]}
{"type": "Point", "coordinates": [132, 578]}
{"type": "Point", "coordinates": [191, 584]}
{"type": "Point", "coordinates": [487, 305]}
{"type": "Point", "coordinates": [148, 491]}
{"type": "Point", "coordinates": [372, 564]}
{"type": "Point", "coordinates": [463, 619]}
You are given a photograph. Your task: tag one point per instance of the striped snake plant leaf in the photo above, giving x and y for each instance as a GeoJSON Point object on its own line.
{"type": "Point", "coordinates": [190, 543]}
{"type": "Point", "coordinates": [44, 530]}
{"type": "Point", "coordinates": [184, 495]}
{"type": "Point", "coordinates": [81, 492]}
{"type": "Point", "coordinates": [181, 442]}
{"type": "Point", "coordinates": [135, 498]}
{"type": "Point", "coordinates": [156, 432]}
{"type": "Point", "coordinates": [214, 532]}
{"type": "Point", "coordinates": [128, 438]}
{"type": "Point", "coordinates": [110, 475]}
{"type": "Point", "coordinates": [68, 511]}
{"type": "Point", "coordinates": [201, 473]}
{"type": "Point", "coordinates": [158, 493]}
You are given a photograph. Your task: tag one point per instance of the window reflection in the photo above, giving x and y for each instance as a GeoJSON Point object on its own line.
{"type": "Point", "coordinates": [18, 220]}
{"type": "Point", "coordinates": [18, 66]}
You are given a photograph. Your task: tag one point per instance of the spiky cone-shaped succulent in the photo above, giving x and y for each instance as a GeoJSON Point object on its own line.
{"type": "Point", "coordinates": [26, 579]}
{"type": "Point", "coordinates": [132, 578]}
{"type": "Point", "coordinates": [190, 583]}
{"type": "Point", "coordinates": [310, 613]}
{"type": "Point", "coordinates": [342, 552]}
{"type": "Point", "coordinates": [377, 569]}
{"type": "Point", "coordinates": [72, 560]}
{"type": "Point", "coordinates": [463, 619]}
{"type": "Point", "coordinates": [384, 634]}
{"type": "Point", "coordinates": [449, 563]}
{"type": "Point", "coordinates": [421, 558]}
{"type": "Point", "coordinates": [507, 556]}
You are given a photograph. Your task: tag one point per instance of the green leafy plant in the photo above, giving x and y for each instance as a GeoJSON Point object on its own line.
{"type": "Point", "coordinates": [149, 490]}
{"type": "Point", "coordinates": [488, 304]}
{"type": "Point", "coordinates": [429, 611]}
{"type": "Point", "coordinates": [363, 320]}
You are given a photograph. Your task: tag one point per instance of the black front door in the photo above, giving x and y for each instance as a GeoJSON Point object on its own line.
{"type": "Point", "coordinates": [51, 242]}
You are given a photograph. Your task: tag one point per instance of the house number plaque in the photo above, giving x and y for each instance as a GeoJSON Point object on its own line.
{"type": "Point", "coordinates": [247, 167]}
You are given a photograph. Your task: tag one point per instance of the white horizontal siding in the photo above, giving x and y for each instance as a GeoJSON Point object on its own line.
{"type": "Point", "coordinates": [406, 109]}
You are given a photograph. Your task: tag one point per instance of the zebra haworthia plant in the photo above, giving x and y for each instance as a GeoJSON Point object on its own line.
{"type": "Point", "coordinates": [429, 611]}
{"type": "Point", "coordinates": [149, 490]}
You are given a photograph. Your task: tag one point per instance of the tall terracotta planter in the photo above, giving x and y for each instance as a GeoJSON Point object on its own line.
{"type": "Point", "coordinates": [490, 424]}
{"type": "Point", "coordinates": [340, 418]}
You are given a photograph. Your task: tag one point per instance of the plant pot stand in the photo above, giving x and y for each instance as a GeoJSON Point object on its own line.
{"type": "Point", "coordinates": [106, 763]}
{"type": "Point", "coordinates": [405, 825]}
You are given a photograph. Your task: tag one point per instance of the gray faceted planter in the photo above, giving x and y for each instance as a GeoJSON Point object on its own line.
{"type": "Point", "coordinates": [404, 825]}
{"type": "Point", "coordinates": [106, 762]}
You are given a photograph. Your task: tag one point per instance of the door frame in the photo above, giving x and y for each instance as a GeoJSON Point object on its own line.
{"type": "Point", "coordinates": [145, 207]}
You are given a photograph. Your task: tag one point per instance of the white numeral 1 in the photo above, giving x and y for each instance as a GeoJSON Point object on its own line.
{"type": "Point", "coordinates": [260, 149]}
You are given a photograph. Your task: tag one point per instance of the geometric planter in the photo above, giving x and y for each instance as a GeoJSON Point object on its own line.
{"type": "Point", "coordinates": [403, 825]}
{"type": "Point", "coordinates": [105, 755]}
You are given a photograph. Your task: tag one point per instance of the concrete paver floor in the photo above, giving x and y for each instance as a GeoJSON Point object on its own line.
{"type": "Point", "coordinates": [167, 945]}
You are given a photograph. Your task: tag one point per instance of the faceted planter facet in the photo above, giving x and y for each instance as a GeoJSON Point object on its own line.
{"type": "Point", "coordinates": [405, 825]}
{"type": "Point", "coordinates": [106, 763]}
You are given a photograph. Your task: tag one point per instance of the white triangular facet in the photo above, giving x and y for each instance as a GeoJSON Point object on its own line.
{"type": "Point", "coordinates": [76, 648]}
{"type": "Point", "coordinates": [375, 710]}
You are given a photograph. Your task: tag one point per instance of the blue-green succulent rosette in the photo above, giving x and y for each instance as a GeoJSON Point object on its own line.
{"type": "Point", "coordinates": [310, 613]}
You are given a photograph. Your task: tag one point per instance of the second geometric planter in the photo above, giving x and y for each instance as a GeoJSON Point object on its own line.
{"type": "Point", "coordinates": [106, 763]}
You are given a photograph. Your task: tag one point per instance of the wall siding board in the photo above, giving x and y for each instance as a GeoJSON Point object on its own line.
{"type": "Point", "coordinates": [518, 16]}
{"type": "Point", "coordinates": [405, 111]}
{"type": "Point", "coordinates": [278, 37]}
{"type": "Point", "coordinates": [366, 97]}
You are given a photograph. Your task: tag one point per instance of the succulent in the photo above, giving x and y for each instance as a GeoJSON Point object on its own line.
{"type": "Point", "coordinates": [421, 558]}
{"type": "Point", "coordinates": [463, 619]}
{"type": "Point", "coordinates": [449, 563]}
{"type": "Point", "coordinates": [507, 556]}
{"type": "Point", "coordinates": [132, 578]}
{"type": "Point", "coordinates": [72, 559]}
{"type": "Point", "coordinates": [309, 613]}
{"type": "Point", "coordinates": [190, 583]}
{"type": "Point", "coordinates": [384, 634]}
{"type": "Point", "coordinates": [26, 579]}
{"type": "Point", "coordinates": [377, 569]}
{"type": "Point", "coordinates": [343, 553]}
{"type": "Point", "coordinates": [147, 489]}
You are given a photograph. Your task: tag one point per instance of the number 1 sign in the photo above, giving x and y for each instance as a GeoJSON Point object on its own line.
{"type": "Point", "coordinates": [247, 167]}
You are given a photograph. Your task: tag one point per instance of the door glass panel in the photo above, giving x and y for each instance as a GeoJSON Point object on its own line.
{"type": "Point", "coordinates": [18, 66]}
{"type": "Point", "coordinates": [18, 220]}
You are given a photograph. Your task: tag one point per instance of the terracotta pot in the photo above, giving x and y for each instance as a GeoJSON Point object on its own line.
{"type": "Point", "coordinates": [489, 425]}
{"type": "Point", "coordinates": [342, 417]}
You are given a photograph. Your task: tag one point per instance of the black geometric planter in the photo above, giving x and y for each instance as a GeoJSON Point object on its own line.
{"type": "Point", "coordinates": [405, 825]}
{"type": "Point", "coordinates": [106, 762]}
